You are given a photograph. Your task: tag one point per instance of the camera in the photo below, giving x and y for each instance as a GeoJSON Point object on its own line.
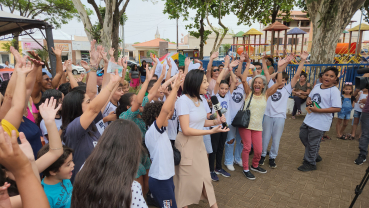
{"type": "Point", "coordinates": [362, 82]}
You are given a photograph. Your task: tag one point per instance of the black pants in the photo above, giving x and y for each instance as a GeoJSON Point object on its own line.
{"type": "Point", "coordinates": [364, 139]}
{"type": "Point", "coordinates": [217, 142]}
{"type": "Point", "coordinates": [297, 105]}
{"type": "Point", "coordinates": [311, 138]}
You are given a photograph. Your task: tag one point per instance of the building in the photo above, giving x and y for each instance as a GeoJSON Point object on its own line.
{"type": "Point", "coordinates": [160, 46]}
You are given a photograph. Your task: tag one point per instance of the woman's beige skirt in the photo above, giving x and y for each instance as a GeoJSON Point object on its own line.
{"type": "Point", "coordinates": [193, 173]}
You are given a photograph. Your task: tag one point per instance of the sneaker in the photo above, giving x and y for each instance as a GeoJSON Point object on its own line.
{"type": "Point", "coordinates": [258, 169]}
{"type": "Point", "coordinates": [318, 159]}
{"type": "Point", "coordinates": [230, 167]}
{"type": "Point", "coordinates": [214, 176]}
{"type": "Point", "coordinates": [272, 163]}
{"type": "Point", "coordinates": [306, 167]}
{"type": "Point", "coordinates": [223, 173]}
{"type": "Point", "coordinates": [360, 160]}
{"type": "Point", "coordinates": [249, 175]}
{"type": "Point", "coordinates": [261, 161]}
{"type": "Point", "coordinates": [238, 163]}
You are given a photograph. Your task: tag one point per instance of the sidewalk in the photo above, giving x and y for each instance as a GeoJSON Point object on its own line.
{"type": "Point", "coordinates": [332, 185]}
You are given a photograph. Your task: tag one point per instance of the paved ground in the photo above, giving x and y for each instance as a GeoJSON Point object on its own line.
{"type": "Point", "coordinates": [332, 185]}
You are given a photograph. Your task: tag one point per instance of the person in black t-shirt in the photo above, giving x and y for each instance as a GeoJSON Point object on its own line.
{"type": "Point", "coordinates": [142, 70]}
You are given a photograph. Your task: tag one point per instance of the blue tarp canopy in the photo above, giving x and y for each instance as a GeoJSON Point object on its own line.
{"type": "Point", "coordinates": [296, 31]}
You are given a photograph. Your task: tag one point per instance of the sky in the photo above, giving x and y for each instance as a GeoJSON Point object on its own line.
{"type": "Point", "coordinates": [144, 18]}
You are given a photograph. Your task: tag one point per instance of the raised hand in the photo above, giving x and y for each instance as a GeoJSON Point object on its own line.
{"type": "Point", "coordinates": [227, 59]}
{"type": "Point", "coordinates": [94, 55]}
{"type": "Point", "coordinates": [247, 57]}
{"type": "Point", "coordinates": [178, 81]}
{"type": "Point", "coordinates": [58, 50]}
{"type": "Point", "coordinates": [20, 61]}
{"type": "Point", "coordinates": [264, 55]}
{"type": "Point", "coordinates": [187, 61]}
{"type": "Point", "coordinates": [25, 69]}
{"type": "Point", "coordinates": [214, 55]}
{"type": "Point", "coordinates": [48, 110]}
{"type": "Point", "coordinates": [124, 63]}
{"type": "Point", "coordinates": [36, 62]}
{"type": "Point", "coordinates": [25, 146]}
{"type": "Point", "coordinates": [34, 55]}
{"type": "Point", "coordinates": [85, 65]}
{"type": "Point", "coordinates": [104, 56]}
{"type": "Point", "coordinates": [115, 77]}
{"type": "Point", "coordinates": [111, 52]}
{"type": "Point", "coordinates": [152, 58]}
{"type": "Point", "coordinates": [163, 70]}
{"type": "Point", "coordinates": [304, 55]}
{"type": "Point", "coordinates": [11, 155]}
{"type": "Point", "coordinates": [242, 57]}
{"type": "Point", "coordinates": [234, 64]}
{"type": "Point", "coordinates": [149, 73]}
{"type": "Point", "coordinates": [197, 61]}
{"type": "Point", "coordinates": [4, 196]}
{"type": "Point", "coordinates": [169, 63]}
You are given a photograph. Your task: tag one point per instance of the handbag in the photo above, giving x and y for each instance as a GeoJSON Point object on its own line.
{"type": "Point", "coordinates": [242, 118]}
{"type": "Point", "coordinates": [176, 155]}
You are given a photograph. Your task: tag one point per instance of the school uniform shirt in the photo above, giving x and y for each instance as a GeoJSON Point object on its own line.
{"type": "Point", "coordinates": [32, 133]}
{"type": "Point", "coordinates": [60, 194]}
{"type": "Point", "coordinates": [161, 152]}
{"type": "Point", "coordinates": [110, 107]}
{"type": "Point", "coordinates": [137, 197]}
{"type": "Point", "coordinates": [82, 141]}
{"type": "Point", "coordinates": [185, 106]}
{"type": "Point", "coordinates": [58, 122]}
{"type": "Point", "coordinates": [236, 102]}
{"type": "Point", "coordinates": [207, 108]}
{"type": "Point", "coordinates": [277, 103]}
{"type": "Point", "coordinates": [173, 126]}
{"type": "Point", "coordinates": [325, 98]}
{"type": "Point", "coordinates": [224, 103]}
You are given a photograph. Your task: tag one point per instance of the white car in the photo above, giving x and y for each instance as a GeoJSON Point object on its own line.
{"type": "Point", "coordinates": [78, 69]}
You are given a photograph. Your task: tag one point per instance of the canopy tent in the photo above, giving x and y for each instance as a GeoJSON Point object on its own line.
{"type": "Point", "coordinates": [276, 26]}
{"type": "Point", "coordinates": [297, 31]}
{"type": "Point", "coordinates": [11, 24]}
{"type": "Point", "coordinates": [344, 35]}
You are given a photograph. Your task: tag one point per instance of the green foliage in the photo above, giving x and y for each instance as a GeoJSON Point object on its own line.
{"type": "Point", "coordinates": [167, 39]}
{"type": "Point", "coordinates": [249, 11]}
{"type": "Point", "coordinates": [55, 12]}
{"type": "Point", "coordinates": [6, 46]}
{"type": "Point", "coordinates": [127, 75]}
{"type": "Point", "coordinates": [136, 42]}
{"type": "Point", "coordinates": [365, 10]}
{"type": "Point", "coordinates": [226, 47]}
{"type": "Point", "coordinates": [151, 51]}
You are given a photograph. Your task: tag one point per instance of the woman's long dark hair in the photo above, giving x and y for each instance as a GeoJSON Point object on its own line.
{"type": "Point", "coordinates": [107, 176]}
{"type": "Point", "coordinates": [124, 103]}
{"type": "Point", "coordinates": [72, 107]}
{"type": "Point", "coordinates": [193, 82]}
{"type": "Point", "coordinates": [134, 67]}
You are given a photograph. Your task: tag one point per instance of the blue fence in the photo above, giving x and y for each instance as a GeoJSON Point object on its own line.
{"type": "Point", "coordinates": [348, 72]}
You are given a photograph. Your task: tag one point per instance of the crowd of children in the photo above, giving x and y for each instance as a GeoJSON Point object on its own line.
{"type": "Point", "coordinates": [95, 144]}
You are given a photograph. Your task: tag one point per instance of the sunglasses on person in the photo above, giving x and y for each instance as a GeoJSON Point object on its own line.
{"type": "Point", "coordinates": [214, 70]}
{"type": "Point", "coordinates": [348, 83]}
{"type": "Point", "coordinates": [100, 74]}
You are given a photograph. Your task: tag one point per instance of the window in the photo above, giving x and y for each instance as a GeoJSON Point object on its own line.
{"type": "Point", "coordinates": [276, 41]}
{"type": "Point", "coordinates": [293, 41]}
{"type": "Point", "coordinates": [286, 23]}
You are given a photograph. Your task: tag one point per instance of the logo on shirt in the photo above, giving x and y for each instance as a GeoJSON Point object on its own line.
{"type": "Point", "coordinates": [174, 116]}
{"type": "Point", "coordinates": [276, 96]}
{"type": "Point", "coordinates": [94, 143]}
{"type": "Point", "coordinates": [316, 98]}
{"type": "Point", "coordinates": [237, 97]}
{"type": "Point", "coordinates": [167, 203]}
{"type": "Point", "coordinates": [224, 105]}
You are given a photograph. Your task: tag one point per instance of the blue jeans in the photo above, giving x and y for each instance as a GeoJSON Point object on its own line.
{"type": "Point", "coordinates": [229, 157]}
{"type": "Point", "coordinates": [272, 127]}
{"type": "Point", "coordinates": [143, 78]}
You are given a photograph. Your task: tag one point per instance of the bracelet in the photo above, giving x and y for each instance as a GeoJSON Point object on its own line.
{"type": "Point", "coordinates": [56, 148]}
{"type": "Point", "coordinates": [279, 72]}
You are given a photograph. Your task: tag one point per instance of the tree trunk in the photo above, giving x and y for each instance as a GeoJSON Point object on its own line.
{"type": "Point", "coordinates": [115, 33]}
{"type": "Point", "coordinates": [274, 15]}
{"type": "Point", "coordinates": [326, 36]}
{"type": "Point", "coordinates": [106, 32]}
{"type": "Point", "coordinates": [202, 37]}
{"type": "Point", "coordinates": [84, 17]}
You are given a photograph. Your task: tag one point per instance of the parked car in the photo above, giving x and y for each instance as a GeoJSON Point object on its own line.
{"type": "Point", "coordinates": [130, 63]}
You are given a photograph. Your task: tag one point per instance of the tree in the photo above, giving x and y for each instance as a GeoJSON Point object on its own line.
{"type": "Point", "coordinates": [329, 19]}
{"type": "Point", "coordinates": [248, 11]}
{"type": "Point", "coordinates": [6, 46]}
{"type": "Point", "coordinates": [151, 51]}
{"type": "Point", "coordinates": [177, 9]}
{"type": "Point", "coordinates": [226, 47]}
{"type": "Point", "coordinates": [55, 12]}
{"type": "Point", "coordinates": [136, 42]}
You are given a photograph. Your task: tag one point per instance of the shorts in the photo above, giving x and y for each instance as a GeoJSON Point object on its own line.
{"type": "Point", "coordinates": [143, 78]}
{"type": "Point", "coordinates": [135, 82]}
{"type": "Point", "coordinates": [357, 114]}
{"type": "Point", "coordinates": [207, 142]}
{"type": "Point", "coordinates": [163, 192]}
{"type": "Point", "coordinates": [344, 115]}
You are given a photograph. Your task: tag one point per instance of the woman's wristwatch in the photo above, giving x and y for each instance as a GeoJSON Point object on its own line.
{"type": "Point", "coordinates": [93, 68]}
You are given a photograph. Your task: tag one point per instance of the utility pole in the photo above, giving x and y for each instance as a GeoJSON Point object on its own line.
{"type": "Point", "coordinates": [177, 34]}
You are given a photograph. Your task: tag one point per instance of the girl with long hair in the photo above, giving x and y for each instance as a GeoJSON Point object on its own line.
{"type": "Point", "coordinates": [192, 177]}
{"type": "Point", "coordinates": [257, 95]}
{"type": "Point", "coordinates": [107, 177]}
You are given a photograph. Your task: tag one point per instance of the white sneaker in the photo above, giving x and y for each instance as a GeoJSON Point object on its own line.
{"type": "Point", "coordinates": [240, 163]}
{"type": "Point", "coordinates": [230, 167]}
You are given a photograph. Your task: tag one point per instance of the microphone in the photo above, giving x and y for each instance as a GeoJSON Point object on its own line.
{"type": "Point", "coordinates": [217, 107]}
{"type": "Point", "coordinates": [214, 115]}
